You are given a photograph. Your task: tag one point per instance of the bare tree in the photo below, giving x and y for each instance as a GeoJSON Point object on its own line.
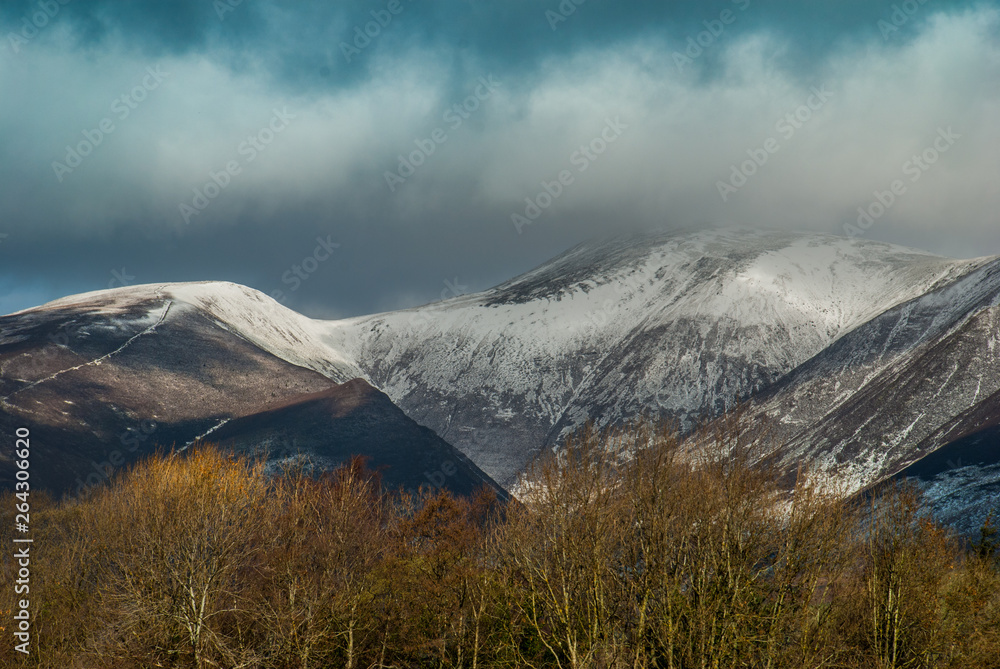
{"type": "Point", "coordinates": [560, 553]}
{"type": "Point", "coordinates": [175, 535]}
{"type": "Point", "coordinates": [330, 536]}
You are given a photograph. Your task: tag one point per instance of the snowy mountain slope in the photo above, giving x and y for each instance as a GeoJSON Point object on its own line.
{"type": "Point", "coordinates": [919, 377]}
{"type": "Point", "coordinates": [106, 378]}
{"type": "Point", "coordinates": [687, 324]}
{"type": "Point", "coordinates": [102, 380]}
{"type": "Point", "coordinates": [245, 312]}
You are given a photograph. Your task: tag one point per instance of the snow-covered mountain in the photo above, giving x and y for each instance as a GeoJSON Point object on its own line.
{"type": "Point", "coordinates": [917, 387]}
{"type": "Point", "coordinates": [866, 356]}
{"type": "Point", "coordinates": [105, 378]}
{"type": "Point", "coordinates": [682, 324]}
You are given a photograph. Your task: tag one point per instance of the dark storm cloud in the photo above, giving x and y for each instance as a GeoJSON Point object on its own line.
{"type": "Point", "coordinates": [448, 227]}
{"type": "Point", "coordinates": [158, 28]}
{"type": "Point", "coordinates": [302, 41]}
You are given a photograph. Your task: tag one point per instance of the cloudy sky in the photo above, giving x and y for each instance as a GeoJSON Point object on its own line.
{"type": "Point", "coordinates": [351, 157]}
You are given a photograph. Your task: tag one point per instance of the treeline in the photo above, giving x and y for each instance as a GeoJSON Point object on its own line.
{"type": "Point", "coordinates": [625, 550]}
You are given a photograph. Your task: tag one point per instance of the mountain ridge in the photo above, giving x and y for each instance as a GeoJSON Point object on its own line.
{"type": "Point", "coordinates": [684, 324]}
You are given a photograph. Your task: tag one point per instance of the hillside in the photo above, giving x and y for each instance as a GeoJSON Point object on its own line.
{"type": "Point", "coordinates": [864, 357]}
